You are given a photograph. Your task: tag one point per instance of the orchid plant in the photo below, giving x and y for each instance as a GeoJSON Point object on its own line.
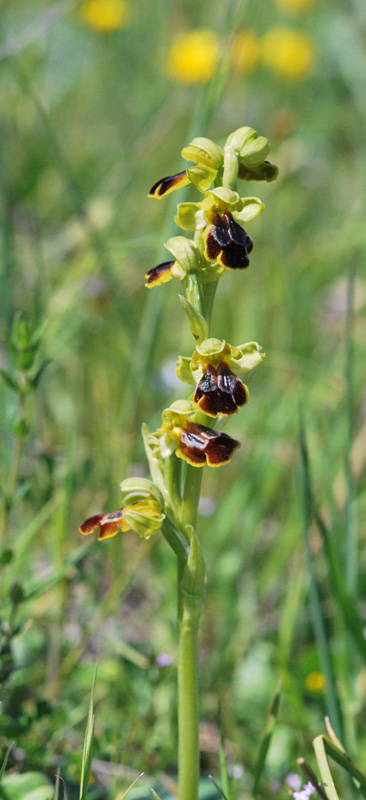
{"type": "Point", "coordinates": [186, 441]}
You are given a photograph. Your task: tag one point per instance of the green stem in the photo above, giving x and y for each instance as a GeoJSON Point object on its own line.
{"type": "Point", "coordinates": [191, 495]}
{"type": "Point", "coordinates": [188, 749]}
{"type": "Point", "coordinates": [209, 297]}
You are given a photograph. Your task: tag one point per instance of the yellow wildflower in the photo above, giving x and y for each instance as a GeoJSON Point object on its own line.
{"type": "Point", "coordinates": [104, 15]}
{"type": "Point", "coordinates": [287, 51]}
{"type": "Point", "coordinates": [297, 6]}
{"type": "Point", "coordinates": [245, 51]}
{"type": "Point", "coordinates": [315, 681]}
{"type": "Point", "coordinates": [194, 56]}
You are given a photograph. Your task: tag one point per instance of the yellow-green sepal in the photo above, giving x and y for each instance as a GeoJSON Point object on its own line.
{"type": "Point", "coordinates": [248, 208]}
{"type": "Point", "coordinates": [202, 177]}
{"type": "Point", "coordinates": [185, 252]}
{"type": "Point", "coordinates": [141, 489]}
{"type": "Point", "coordinates": [190, 216]}
{"type": "Point", "coordinates": [204, 152]}
{"type": "Point", "coordinates": [219, 199]}
{"type": "Point", "coordinates": [183, 370]}
{"type": "Point", "coordinates": [251, 356]}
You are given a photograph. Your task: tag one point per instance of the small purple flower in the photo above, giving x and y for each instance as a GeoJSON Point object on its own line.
{"type": "Point", "coordinates": [306, 792]}
{"type": "Point", "coordinates": [164, 659]}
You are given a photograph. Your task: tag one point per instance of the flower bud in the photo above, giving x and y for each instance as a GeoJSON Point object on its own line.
{"type": "Point", "coordinates": [251, 148]}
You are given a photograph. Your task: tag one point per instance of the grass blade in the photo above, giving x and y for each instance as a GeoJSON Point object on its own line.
{"type": "Point", "coordinates": [315, 601]}
{"type": "Point", "coordinates": [123, 795]}
{"type": "Point", "coordinates": [323, 747]}
{"type": "Point", "coordinates": [345, 601]}
{"type": "Point", "coordinates": [351, 512]}
{"type": "Point", "coordinates": [216, 785]}
{"type": "Point", "coordinates": [5, 760]}
{"type": "Point", "coordinates": [88, 746]}
{"type": "Point", "coordinates": [225, 780]}
{"type": "Point", "coordinates": [266, 741]}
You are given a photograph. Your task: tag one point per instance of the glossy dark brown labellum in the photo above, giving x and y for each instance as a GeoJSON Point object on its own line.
{"type": "Point", "coordinates": [220, 391]}
{"type": "Point", "coordinates": [227, 242]}
{"type": "Point", "coordinates": [200, 445]}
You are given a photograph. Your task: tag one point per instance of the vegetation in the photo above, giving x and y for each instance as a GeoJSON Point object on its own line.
{"type": "Point", "coordinates": [94, 113]}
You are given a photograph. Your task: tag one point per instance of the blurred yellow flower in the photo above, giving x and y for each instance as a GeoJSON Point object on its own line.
{"type": "Point", "coordinates": [297, 6]}
{"type": "Point", "coordinates": [194, 56]}
{"type": "Point", "coordinates": [315, 681]}
{"type": "Point", "coordinates": [104, 15]}
{"type": "Point", "coordinates": [245, 51]}
{"type": "Point", "coordinates": [287, 51]}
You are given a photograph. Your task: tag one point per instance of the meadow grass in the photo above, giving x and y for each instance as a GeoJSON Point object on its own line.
{"type": "Point", "coordinates": [89, 120]}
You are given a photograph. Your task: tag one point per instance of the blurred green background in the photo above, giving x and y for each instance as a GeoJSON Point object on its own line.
{"type": "Point", "coordinates": [98, 100]}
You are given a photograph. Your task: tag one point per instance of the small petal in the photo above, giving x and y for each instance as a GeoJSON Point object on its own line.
{"type": "Point", "coordinates": [169, 184]}
{"type": "Point", "coordinates": [162, 273]}
{"type": "Point", "coordinates": [200, 445]}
